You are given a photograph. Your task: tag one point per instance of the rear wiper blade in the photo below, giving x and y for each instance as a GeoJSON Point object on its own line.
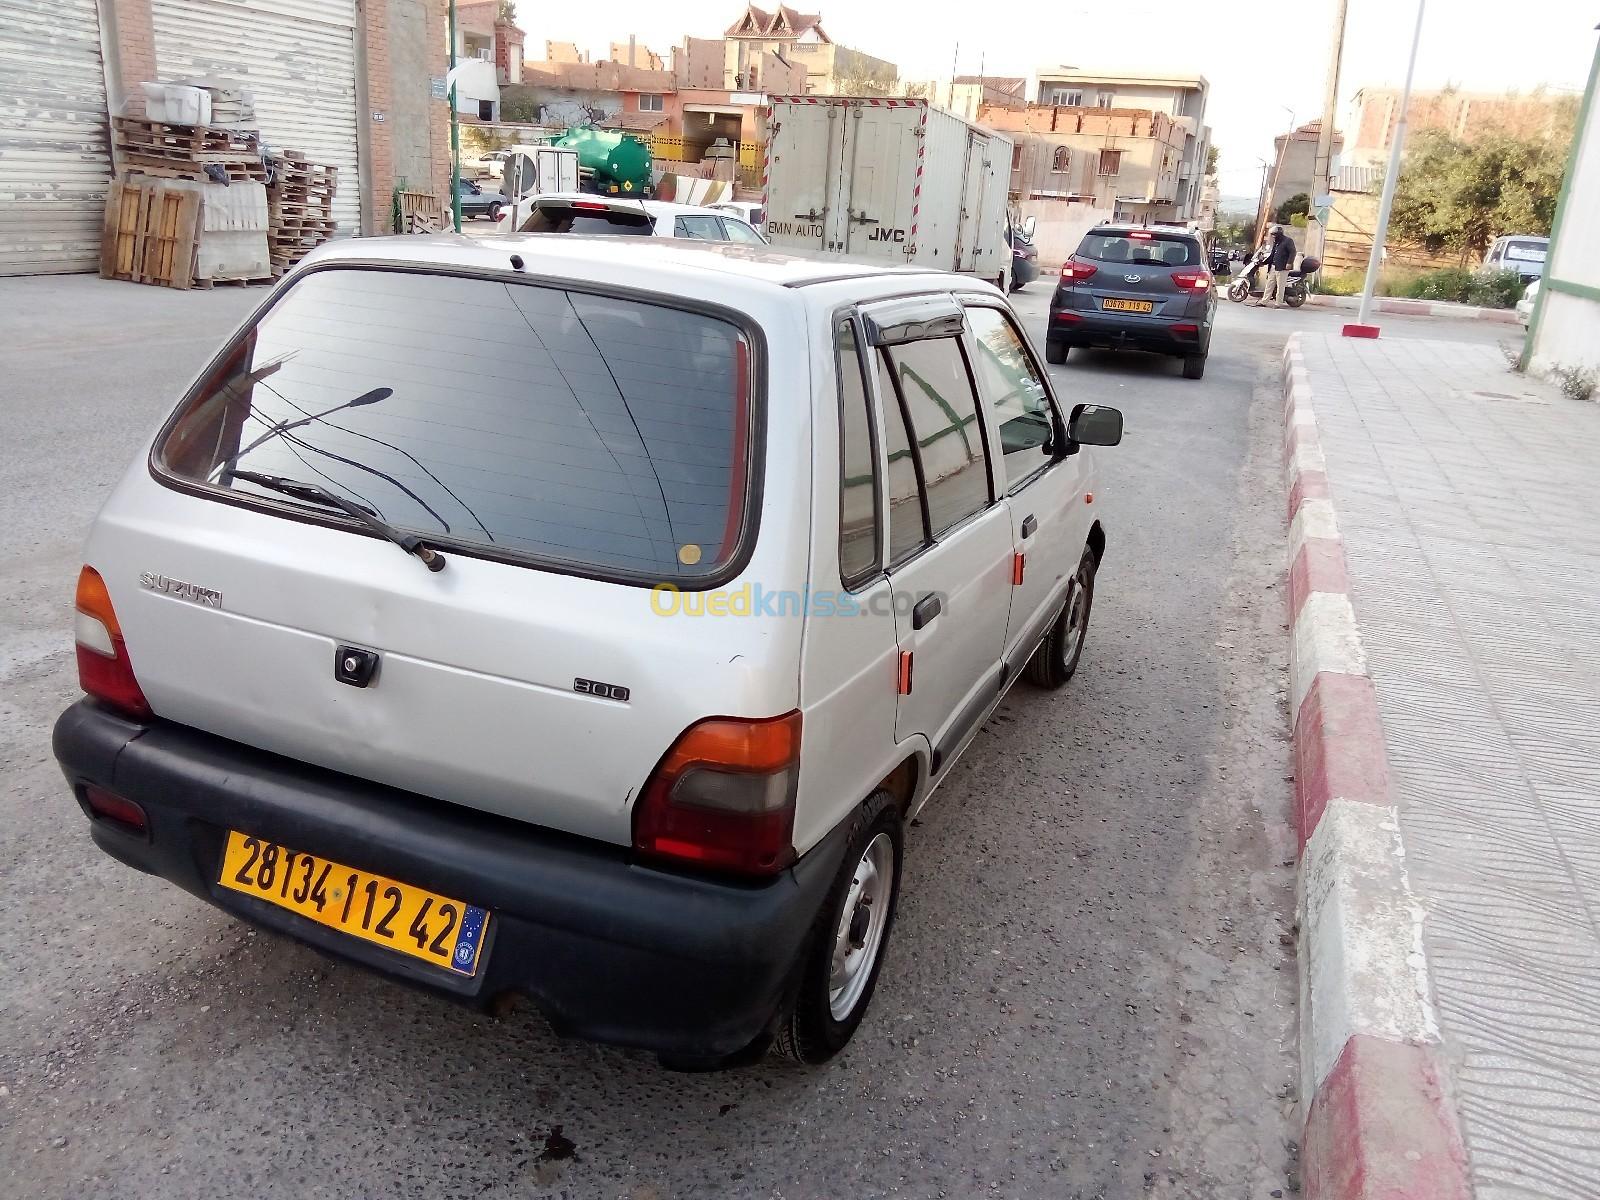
{"type": "Point", "coordinates": [317, 494]}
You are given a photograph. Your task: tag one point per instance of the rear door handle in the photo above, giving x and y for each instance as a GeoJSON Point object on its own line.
{"type": "Point", "coordinates": [1029, 525]}
{"type": "Point", "coordinates": [926, 610]}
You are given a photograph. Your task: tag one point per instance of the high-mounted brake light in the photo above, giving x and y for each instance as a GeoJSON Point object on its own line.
{"type": "Point", "coordinates": [590, 206]}
{"type": "Point", "coordinates": [104, 668]}
{"type": "Point", "coordinates": [1140, 235]}
{"type": "Point", "coordinates": [1075, 269]}
{"type": "Point", "coordinates": [723, 797]}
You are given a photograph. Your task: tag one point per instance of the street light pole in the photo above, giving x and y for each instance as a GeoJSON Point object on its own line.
{"type": "Point", "coordinates": [1322, 168]}
{"type": "Point", "coordinates": [455, 128]}
{"type": "Point", "coordinates": [1363, 326]}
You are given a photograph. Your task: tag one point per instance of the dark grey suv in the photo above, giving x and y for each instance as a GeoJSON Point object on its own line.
{"type": "Point", "coordinates": [1135, 288]}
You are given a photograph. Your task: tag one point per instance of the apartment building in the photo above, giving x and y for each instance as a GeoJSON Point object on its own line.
{"type": "Point", "coordinates": [1181, 98]}
{"type": "Point", "coordinates": [831, 69]}
{"type": "Point", "coordinates": [1374, 113]}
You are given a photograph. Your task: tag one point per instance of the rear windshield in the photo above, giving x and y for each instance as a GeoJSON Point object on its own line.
{"type": "Point", "coordinates": [1527, 251]}
{"type": "Point", "coordinates": [513, 419]}
{"type": "Point", "coordinates": [552, 218]}
{"type": "Point", "coordinates": [1150, 249]}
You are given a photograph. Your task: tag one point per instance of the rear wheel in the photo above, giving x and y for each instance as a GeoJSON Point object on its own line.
{"type": "Point", "coordinates": [494, 212]}
{"type": "Point", "coordinates": [1194, 366]}
{"type": "Point", "coordinates": [847, 945]}
{"type": "Point", "coordinates": [1294, 297]}
{"type": "Point", "coordinates": [1056, 352]}
{"type": "Point", "coordinates": [1054, 662]}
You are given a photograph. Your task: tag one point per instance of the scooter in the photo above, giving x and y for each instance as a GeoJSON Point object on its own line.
{"type": "Point", "coordinates": [1251, 283]}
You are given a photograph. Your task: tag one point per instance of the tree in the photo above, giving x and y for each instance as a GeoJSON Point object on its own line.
{"type": "Point", "coordinates": [1212, 154]}
{"type": "Point", "coordinates": [1298, 204]}
{"type": "Point", "coordinates": [508, 11]}
{"type": "Point", "coordinates": [1458, 196]}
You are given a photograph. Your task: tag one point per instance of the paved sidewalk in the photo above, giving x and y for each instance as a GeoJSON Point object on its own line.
{"type": "Point", "coordinates": [1467, 499]}
{"type": "Point", "coordinates": [1420, 308]}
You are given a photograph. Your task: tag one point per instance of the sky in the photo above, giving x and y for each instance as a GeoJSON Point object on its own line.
{"type": "Point", "coordinates": [1265, 59]}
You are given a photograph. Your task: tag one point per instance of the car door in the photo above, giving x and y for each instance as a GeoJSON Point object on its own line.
{"type": "Point", "coordinates": [1041, 478]}
{"type": "Point", "coordinates": [738, 231]}
{"type": "Point", "coordinates": [949, 536]}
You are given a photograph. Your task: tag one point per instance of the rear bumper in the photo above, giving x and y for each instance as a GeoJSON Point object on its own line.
{"type": "Point", "coordinates": [1115, 331]}
{"type": "Point", "coordinates": [608, 949]}
{"type": "Point", "coordinates": [1023, 270]}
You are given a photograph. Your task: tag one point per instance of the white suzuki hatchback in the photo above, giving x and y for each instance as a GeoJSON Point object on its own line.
{"type": "Point", "coordinates": [581, 619]}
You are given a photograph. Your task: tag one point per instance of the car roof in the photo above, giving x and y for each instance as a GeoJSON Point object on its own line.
{"type": "Point", "coordinates": [656, 208]}
{"type": "Point", "coordinates": [658, 264]}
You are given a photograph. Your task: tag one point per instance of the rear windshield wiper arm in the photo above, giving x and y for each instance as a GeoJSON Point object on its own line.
{"type": "Point", "coordinates": [317, 494]}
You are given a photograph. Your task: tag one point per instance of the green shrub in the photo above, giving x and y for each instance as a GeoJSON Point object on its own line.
{"type": "Point", "coordinates": [1347, 284]}
{"type": "Point", "coordinates": [1452, 283]}
{"type": "Point", "coordinates": [1496, 289]}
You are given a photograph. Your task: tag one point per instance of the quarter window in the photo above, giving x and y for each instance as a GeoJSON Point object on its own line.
{"type": "Point", "coordinates": [908, 530]}
{"type": "Point", "coordinates": [1015, 394]}
{"type": "Point", "coordinates": [938, 397]}
{"type": "Point", "coordinates": [858, 466]}
{"type": "Point", "coordinates": [704, 229]}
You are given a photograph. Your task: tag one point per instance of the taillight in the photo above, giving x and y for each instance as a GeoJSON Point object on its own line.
{"type": "Point", "coordinates": [114, 808]}
{"type": "Point", "coordinates": [723, 797]}
{"type": "Point", "coordinates": [1197, 281]}
{"type": "Point", "coordinates": [104, 669]}
{"type": "Point", "coordinates": [1075, 269]}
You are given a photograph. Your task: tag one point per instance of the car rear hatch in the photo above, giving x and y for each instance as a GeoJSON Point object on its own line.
{"type": "Point", "coordinates": [1138, 274]}
{"type": "Point", "coordinates": [562, 451]}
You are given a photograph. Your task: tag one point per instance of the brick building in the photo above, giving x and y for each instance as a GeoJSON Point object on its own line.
{"type": "Point", "coordinates": [1375, 112]}
{"type": "Point", "coordinates": [344, 82]}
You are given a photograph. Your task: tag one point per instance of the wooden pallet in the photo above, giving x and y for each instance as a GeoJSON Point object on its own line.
{"type": "Point", "coordinates": [200, 143]}
{"type": "Point", "coordinates": [176, 168]}
{"type": "Point", "coordinates": [152, 233]}
{"type": "Point", "coordinates": [208, 284]}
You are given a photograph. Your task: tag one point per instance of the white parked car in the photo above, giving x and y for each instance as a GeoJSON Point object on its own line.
{"type": "Point", "coordinates": [610, 678]}
{"type": "Point", "coordinates": [1530, 297]}
{"type": "Point", "coordinates": [579, 212]}
{"type": "Point", "coordinates": [748, 211]}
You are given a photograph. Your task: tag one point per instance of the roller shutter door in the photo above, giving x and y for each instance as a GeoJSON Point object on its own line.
{"type": "Point", "coordinates": [55, 161]}
{"type": "Point", "coordinates": [298, 58]}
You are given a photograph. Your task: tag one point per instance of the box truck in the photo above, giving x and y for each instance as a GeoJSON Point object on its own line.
{"type": "Point", "coordinates": [882, 180]}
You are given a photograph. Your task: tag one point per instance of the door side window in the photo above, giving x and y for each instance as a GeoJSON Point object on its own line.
{"type": "Point", "coordinates": [738, 231]}
{"type": "Point", "coordinates": [908, 515]}
{"type": "Point", "coordinates": [703, 229]}
{"type": "Point", "coordinates": [937, 392]}
{"type": "Point", "coordinates": [1010, 385]}
{"type": "Point", "coordinates": [858, 465]}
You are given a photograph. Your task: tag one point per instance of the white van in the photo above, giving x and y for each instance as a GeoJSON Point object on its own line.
{"type": "Point", "coordinates": [581, 619]}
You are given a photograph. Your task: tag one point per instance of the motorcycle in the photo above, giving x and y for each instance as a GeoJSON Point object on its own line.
{"type": "Point", "coordinates": [1252, 284]}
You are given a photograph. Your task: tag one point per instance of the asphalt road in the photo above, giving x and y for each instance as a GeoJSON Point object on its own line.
{"type": "Point", "coordinates": [1091, 989]}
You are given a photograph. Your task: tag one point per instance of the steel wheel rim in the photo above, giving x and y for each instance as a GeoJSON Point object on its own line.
{"type": "Point", "coordinates": [1077, 617]}
{"type": "Point", "coordinates": [863, 920]}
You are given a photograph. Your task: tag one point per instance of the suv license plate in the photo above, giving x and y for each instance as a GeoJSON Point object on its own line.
{"type": "Point", "coordinates": [418, 923]}
{"type": "Point", "coordinates": [1143, 306]}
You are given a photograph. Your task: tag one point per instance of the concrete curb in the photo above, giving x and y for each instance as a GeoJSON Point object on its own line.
{"type": "Point", "coordinates": [1378, 1124]}
{"type": "Point", "coordinates": [1421, 308]}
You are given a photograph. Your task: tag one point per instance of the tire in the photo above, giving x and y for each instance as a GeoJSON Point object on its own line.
{"type": "Point", "coordinates": [1056, 352]}
{"type": "Point", "coordinates": [822, 1018]}
{"type": "Point", "coordinates": [1239, 291]}
{"type": "Point", "coordinates": [1294, 297]}
{"type": "Point", "coordinates": [1194, 366]}
{"type": "Point", "coordinates": [494, 214]}
{"type": "Point", "coordinates": [1056, 659]}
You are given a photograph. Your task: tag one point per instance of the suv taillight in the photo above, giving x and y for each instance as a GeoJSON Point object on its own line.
{"type": "Point", "coordinates": [1075, 269]}
{"type": "Point", "coordinates": [104, 669]}
{"type": "Point", "coordinates": [723, 796]}
{"type": "Point", "coordinates": [1196, 281]}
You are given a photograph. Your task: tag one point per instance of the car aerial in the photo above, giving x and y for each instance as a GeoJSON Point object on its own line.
{"type": "Point", "coordinates": [1524, 254]}
{"type": "Point", "coordinates": [477, 202]}
{"type": "Point", "coordinates": [1530, 297]}
{"type": "Point", "coordinates": [748, 211]}
{"type": "Point", "coordinates": [582, 213]}
{"type": "Point", "coordinates": [1135, 288]}
{"type": "Point", "coordinates": [612, 681]}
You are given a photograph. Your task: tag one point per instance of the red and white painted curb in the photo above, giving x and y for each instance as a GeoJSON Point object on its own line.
{"type": "Point", "coordinates": [1379, 1124]}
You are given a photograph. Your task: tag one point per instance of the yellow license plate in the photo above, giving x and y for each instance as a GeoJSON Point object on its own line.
{"type": "Point", "coordinates": [1129, 305]}
{"type": "Point", "coordinates": [418, 923]}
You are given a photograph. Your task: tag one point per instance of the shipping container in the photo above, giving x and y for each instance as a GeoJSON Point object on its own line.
{"type": "Point", "coordinates": [893, 181]}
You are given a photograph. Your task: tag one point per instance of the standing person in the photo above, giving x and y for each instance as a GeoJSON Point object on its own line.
{"type": "Point", "coordinates": [1281, 253]}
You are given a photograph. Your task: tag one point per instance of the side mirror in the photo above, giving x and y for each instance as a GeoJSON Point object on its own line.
{"type": "Point", "coordinates": [1029, 224]}
{"type": "Point", "coordinates": [1095, 425]}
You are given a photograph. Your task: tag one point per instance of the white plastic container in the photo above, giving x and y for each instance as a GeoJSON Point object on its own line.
{"type": "Point", "coordinates": [176, 104]}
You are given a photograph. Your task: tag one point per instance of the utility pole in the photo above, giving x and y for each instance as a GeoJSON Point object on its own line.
{"type": "Point", "coordinates": [455, 128]}
{"type": "Point", "coordinates": [1362, 326]}
{"type": "Point", "coordinates": [1322, 169]}
{"type": "Point", "coordinates": [955, 57]}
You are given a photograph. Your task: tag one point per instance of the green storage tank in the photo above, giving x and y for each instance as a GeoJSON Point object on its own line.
{"type": "Point", "coordinates": [620, 163]}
